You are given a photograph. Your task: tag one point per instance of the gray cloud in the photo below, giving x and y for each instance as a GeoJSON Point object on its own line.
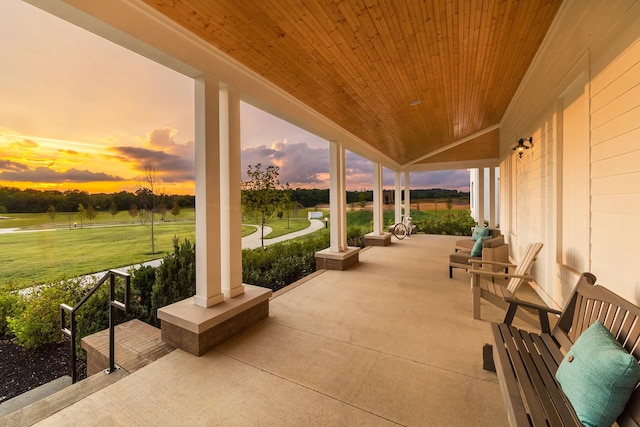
{"type": "Point", "coordinates": [170, 168]}
{"type": "Point", "coordinates": [300, 165]}
{"type": "Point", "coordinates": [44, 174]}
{"type": "Point", "coordinates": [173, 162]}
{"type": "Point", "coordinates": [306, 167]}
{"type": "Point", "coordinates": [7, 166]}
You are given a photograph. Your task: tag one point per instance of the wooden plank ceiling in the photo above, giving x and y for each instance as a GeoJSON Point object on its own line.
{"type": "Point", "coordinates": [361, 62]}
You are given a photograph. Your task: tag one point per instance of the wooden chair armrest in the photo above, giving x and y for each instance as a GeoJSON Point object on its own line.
{"type": "Point", "coordinates": [500, 274]}
{"type": "Point", "coordinates": [528, 304]}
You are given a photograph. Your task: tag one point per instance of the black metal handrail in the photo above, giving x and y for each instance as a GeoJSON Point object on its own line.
{"type": "Point", "coordinates": [113, 304]}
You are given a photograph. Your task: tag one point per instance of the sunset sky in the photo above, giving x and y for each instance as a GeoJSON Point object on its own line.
{"type": "Point", "coordinates": [79, 112]}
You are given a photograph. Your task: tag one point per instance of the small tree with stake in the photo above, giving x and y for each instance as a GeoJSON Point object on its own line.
{"type": "Point", "coordinates": [262, 195]}
{"type": "Point", "coordinates": [150, 196]}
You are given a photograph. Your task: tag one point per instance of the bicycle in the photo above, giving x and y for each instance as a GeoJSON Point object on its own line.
{"type": "Point", "coordinates": [403, 228]}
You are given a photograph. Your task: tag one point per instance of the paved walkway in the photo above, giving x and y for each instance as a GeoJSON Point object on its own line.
{"type": "Point", "coordinates": [253, 240]}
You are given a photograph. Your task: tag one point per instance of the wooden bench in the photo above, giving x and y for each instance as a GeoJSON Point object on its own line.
{"type": "Point", "coordinates": [526, 363]}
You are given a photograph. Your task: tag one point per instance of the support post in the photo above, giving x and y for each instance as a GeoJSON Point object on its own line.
{"type": "Point", "coordinates": [398, 198]}
{"type": "Point", "coordinates": [481, 188]}
{"type": "Point", "coordinates": [407, 195]}
{"type": "Point", "coordinates": [492, 197]}
{"type": "Point", "coordinates": [338, 256]}
{"type": "Point", "coordinates": [208, 259]}
{"type": "Point", "coordinates": [337, 197]}
{"type": "Point", "coordinates": [377, 199]}
{"type": "Point", "coordinates": [230, 204]}
{"type": "Point", "coordinates": [378, 237]}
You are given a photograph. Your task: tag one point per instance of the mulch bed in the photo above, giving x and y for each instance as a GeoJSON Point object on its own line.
{"type": "Point", "coordinates": [23, 369]}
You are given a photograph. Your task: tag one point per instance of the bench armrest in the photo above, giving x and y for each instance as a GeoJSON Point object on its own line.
{"type": "Point", "coordinates": [528, 304]}
{"type": "Point", "coordinates": [543, 312]}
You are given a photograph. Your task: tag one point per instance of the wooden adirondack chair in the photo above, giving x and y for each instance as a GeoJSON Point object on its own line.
{"type": "Point", "coordinates": [492, 290]}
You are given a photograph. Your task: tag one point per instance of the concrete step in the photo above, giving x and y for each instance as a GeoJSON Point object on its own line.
{"type": "Point", "coordinates": [34, 395]}
{"type": "Point", "coordinates": [38, 410]}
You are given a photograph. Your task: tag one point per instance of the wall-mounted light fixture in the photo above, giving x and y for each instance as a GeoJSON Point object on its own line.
{"type": "Point", "coordinates": [523, 146]}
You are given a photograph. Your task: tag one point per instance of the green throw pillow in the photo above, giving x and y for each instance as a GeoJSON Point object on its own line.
{"type": "Point", "coordinates": [479, 231]}
{"type": "Point", "coordinates": [477, 247]}
{"type": "Point", "coordinates": [598, 376]}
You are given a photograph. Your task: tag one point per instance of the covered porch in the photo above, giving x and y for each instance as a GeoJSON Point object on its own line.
{"type": "Point", "coordinates": [391, 341]}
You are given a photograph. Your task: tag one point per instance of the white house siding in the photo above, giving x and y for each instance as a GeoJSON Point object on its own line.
{"type": "Point", "coordinates": [615, 173]}
{"type": "Point", "coordinates": [578, 189]}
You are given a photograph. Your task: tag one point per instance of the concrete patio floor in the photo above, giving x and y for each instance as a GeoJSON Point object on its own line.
{"type": "Point", "coordinates": [390, 341]}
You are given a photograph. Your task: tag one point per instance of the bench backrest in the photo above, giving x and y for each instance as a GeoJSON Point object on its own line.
{"type": "Point", "coordinates": [590, 303]}
{"type": "Point", "coordinates": [524, 268]}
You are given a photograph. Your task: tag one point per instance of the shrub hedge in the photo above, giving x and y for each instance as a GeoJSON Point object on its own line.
{"type": "Point", "coordinates": [283, 263]}
{"type": "Point", "coordinates": [454, 223]}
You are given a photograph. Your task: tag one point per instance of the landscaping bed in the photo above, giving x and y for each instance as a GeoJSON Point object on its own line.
{"type": "Point", "coordinates": [23, 369]}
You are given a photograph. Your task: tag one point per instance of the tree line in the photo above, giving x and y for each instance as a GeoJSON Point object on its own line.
{"type": "Point", "coordinates": [312, 197]}
{"type": "Point", "coordinates": [14, 200]}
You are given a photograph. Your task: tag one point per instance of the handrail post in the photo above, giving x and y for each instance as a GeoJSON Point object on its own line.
{"type": "Point", "coordinates": [112, 334]}
{"type": "Point", "coordinates": [74, 373]}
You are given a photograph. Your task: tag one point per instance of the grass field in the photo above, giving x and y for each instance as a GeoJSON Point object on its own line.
{"type": "Point", "coordinates": [28, 257]}
{"type": "Point", "coordinates": [43, 250]}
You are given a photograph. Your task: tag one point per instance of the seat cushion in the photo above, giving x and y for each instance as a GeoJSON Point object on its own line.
{"type": "Point", "coordinates": [465, 244]}
{"type": "Point", "coordinates": [598, 376]}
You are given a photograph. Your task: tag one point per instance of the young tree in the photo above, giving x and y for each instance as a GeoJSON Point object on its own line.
{"type": "Point", "coordinates": [150, 197]}
{"type": "Point", "coordinates": [362, 199]}
{"type": "Point", "coordinates": [133, 212]}
{"type": "Point", "coordinates": [175, 210]}
{"type": "Point", "coordinates": [113, 210]}
{"type": "Point", "coordinates": [90, 213]}
{"type": "Point", "coordinates": [51, 212]}
{"type": "Point", "coordinates": [82, 212]}
{"type": "Point", "coordinates": [262, 195]}
{"type": "Point", "coordinates": [162, 210]}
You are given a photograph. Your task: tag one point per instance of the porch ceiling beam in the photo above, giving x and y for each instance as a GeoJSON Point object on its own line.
{"type": "Point", "coordinates": [453, 144]}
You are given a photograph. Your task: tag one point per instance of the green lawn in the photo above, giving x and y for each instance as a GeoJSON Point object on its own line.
{"type": "Point", "coordinates": [50, 250]}
{"type": "Point", "coordinates": [282, 226]}
{"type": "Point", "coordinates": [28, 257]}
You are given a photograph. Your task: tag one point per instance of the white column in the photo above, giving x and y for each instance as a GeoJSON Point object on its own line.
{"type": "Point", "coordinates": [407, 195]}
{"type": "Point", "coordinates": [480, 191]}
{"type": "Point", "coordinates": [377, 199]}
{"type": "Point", "coordinates": [337, 197]}
{"type": "Point", "coordinates": [230, 207]}
{"type": "Point", "coordinates": [492, 197]}
{"type": "Point", "coordinates": [398, 198]}
{"type": "Point", "coordinates": [207, 133]}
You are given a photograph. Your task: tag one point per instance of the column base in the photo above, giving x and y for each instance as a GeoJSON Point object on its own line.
{"type": "Point", "coordinates": [373, 239]}
{"type": "Point", "coordinates": [198, 329]}
{"type": "Point", "coordinates": [337, 260]}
